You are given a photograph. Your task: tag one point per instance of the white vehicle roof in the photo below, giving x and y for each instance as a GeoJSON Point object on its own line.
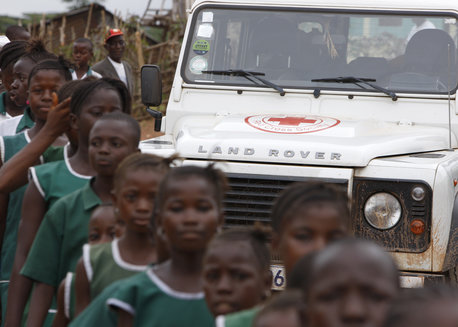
{"type": "Point", "coordinates": [438, 5]}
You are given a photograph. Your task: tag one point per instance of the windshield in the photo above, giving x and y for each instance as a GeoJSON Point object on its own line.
{"type": "Point", "coordinates": [402, 52]}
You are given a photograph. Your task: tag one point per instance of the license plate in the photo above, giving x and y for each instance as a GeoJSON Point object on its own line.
{"type": "Point", "coordinates": [278, 277]}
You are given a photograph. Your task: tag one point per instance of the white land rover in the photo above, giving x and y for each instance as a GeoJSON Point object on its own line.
{"type": "Point", "coordinates": [353, 92]}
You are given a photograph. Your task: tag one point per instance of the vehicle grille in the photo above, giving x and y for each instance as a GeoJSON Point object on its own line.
{"type": "Point", "coordinates": [251, 197]}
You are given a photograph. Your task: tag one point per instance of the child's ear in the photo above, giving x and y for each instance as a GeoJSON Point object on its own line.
{"type": "Point", "coordinates": [267, 280]}
{"type": "Point", "coordinates": [74, 122]}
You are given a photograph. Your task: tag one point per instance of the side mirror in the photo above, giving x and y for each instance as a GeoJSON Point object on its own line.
{"type": "Point", "coordinates": [152, 92]}
{"type": "Point", "coordinates": [151, 85]}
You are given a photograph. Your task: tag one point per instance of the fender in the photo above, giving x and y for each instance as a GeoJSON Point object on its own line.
{"type": "Point", "coordinates": [451, 257]}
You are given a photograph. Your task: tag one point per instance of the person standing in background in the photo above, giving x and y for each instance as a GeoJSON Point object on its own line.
{"type": "Point", "coordinates": [82, 55]}
{"type": "Point", "coordinates": [17, 33]}
{"type": "Point", "coordinates": [113, 66]}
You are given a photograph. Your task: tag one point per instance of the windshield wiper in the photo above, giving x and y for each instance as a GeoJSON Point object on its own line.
{"type": "Point", "coordinates": [356, 80]}
{"type": "Point", "coordinates": [251, 76]}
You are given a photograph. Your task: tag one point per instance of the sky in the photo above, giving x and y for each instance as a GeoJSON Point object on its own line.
{"type": "Point", "coordinates": [125, 7]}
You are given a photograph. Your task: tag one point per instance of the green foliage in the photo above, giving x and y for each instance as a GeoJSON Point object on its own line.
{"type": "Point", "coordinates": [6, 21]}
{"type": "Point", "coordinates": [385, 45]}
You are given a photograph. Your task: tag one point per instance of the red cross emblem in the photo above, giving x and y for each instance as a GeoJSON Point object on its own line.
{"type": "Point", "coordinates": [292, 121]}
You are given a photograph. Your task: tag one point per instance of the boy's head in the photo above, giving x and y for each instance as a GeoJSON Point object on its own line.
{"type": "Point", "coordinates": [115, 44]}
{"type": "Point", "coordinates": [9, 55]}
{"type": "Point", "coordinates": [15, 33]}
{"type": "Point", "coordinates": [285, 310]}
{"type": "Point", "coordinates": [113, 137]}
{"type": "Point", "coordinates": [350, 283]}
{"type": "Point", "coordinates": [103, 226]}
{"type": "Point", "coordinates": [82, 52]}
{"type": "Point", "coordinates": [306, 217]}
{"type": "Point", "coordinates": [236, 273]}
{"type": "Point", "coordinates": [434, 305]}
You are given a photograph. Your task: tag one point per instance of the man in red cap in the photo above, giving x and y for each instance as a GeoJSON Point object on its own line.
{"type": "Point", "coordinates": [113, 66]}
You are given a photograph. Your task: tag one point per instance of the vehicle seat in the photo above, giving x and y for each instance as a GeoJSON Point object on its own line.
{"type": "Point", "coordinates": [427, 53]}
{"type": "Point", "coordinates": [271, 46]}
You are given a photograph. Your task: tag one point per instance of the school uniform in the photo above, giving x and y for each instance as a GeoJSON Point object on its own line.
{"type": "Point", "coordinates": [57, 179]}
{"type": "Point", "coordinates": [98, 313]}
{"type": "Point", "coordinates": [242, 318]}
{"type": "Point", "coordinates": [15, 205]}
{"type": "Point", "coordinates": [69, 296]}
{"type": "Point", "coordinates": [154, 303]}
{"type": "Point", "coordinates": [89, 72]}
{"type": "Point", "coordinates": [3, 114]}
{"type": "Point", "coordinates": [17, 124]}
{"type": "Point", "coordinates": [104, 265]}
{"type": "Point", "coordinates": [9, 146]}
{"type": "Point", "coordinates": [58, 243]}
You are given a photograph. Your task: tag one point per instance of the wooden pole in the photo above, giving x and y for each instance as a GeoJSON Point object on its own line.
{"type": "Point", "coordinates": [138, 45]}
{"type": "Point", "coordinates": [43, 26]}
{"type": "Point", "coordinates": [62, 30]}
{"type": "Point", "coordinates": [89, 19]}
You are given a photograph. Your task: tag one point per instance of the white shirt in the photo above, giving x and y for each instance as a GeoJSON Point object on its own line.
{"type": "Point", "coordinates": [93, 73]}
{"type": "Point", "coordinates": [119, 67]}
{"type": "Point", "coordinates": [8, 126]}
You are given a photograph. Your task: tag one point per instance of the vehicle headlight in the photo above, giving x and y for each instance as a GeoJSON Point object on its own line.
{"type": "Point", "coordinates": [382, 211]}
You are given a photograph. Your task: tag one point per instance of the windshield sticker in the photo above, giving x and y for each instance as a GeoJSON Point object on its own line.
{"type": "Point", "coordinates": [291, 124]}
{"type": "Point", "coordinates": [207, 17]}
{"type": "Point", "coordinates": [205, 30]}
{"type": "Point", "coordinates": [450, 21]}
{"type": "Point", "coordinates": [197, 65]}
{"type": "Point", "coordinates": [201, 47]}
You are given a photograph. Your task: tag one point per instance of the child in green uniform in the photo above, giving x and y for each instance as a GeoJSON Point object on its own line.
{"type": "Point", "coordinates": [236, 273]}
{"type": "Point", "coordinates": [54, 180]}
{"type": "Point", "coordinates": [188, 211]}
{"type": "Point", "coordinates": [18, 94]}
{"type": "Point", "coordinates": [64, 229]}
{"type": "Point", "coordinates": [136, 181]}
{"type": "Point", "coordinates": [45, 78]}
{"type": "Point", "coordinates": [305, 218]}
{"type": "Point", "coordinates": [36, 52]}
{"type": "Point", "coordinates": [9, 54]}
{"type": "Point", "coordinates": [102, 229]}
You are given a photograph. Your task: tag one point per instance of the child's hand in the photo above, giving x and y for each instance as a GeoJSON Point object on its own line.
{"type": "Point", "coordinates": [58, 120]}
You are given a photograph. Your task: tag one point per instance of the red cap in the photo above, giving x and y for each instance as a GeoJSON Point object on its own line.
{"type": "Point", "coordinates": [112, 32]}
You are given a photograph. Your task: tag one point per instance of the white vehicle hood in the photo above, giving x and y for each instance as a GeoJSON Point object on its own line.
{"type": "Point", "coordinates": [302, 139]}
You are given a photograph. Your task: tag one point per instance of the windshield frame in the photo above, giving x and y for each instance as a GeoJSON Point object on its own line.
{"type": "Point", "coordinates": [295, 9]}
